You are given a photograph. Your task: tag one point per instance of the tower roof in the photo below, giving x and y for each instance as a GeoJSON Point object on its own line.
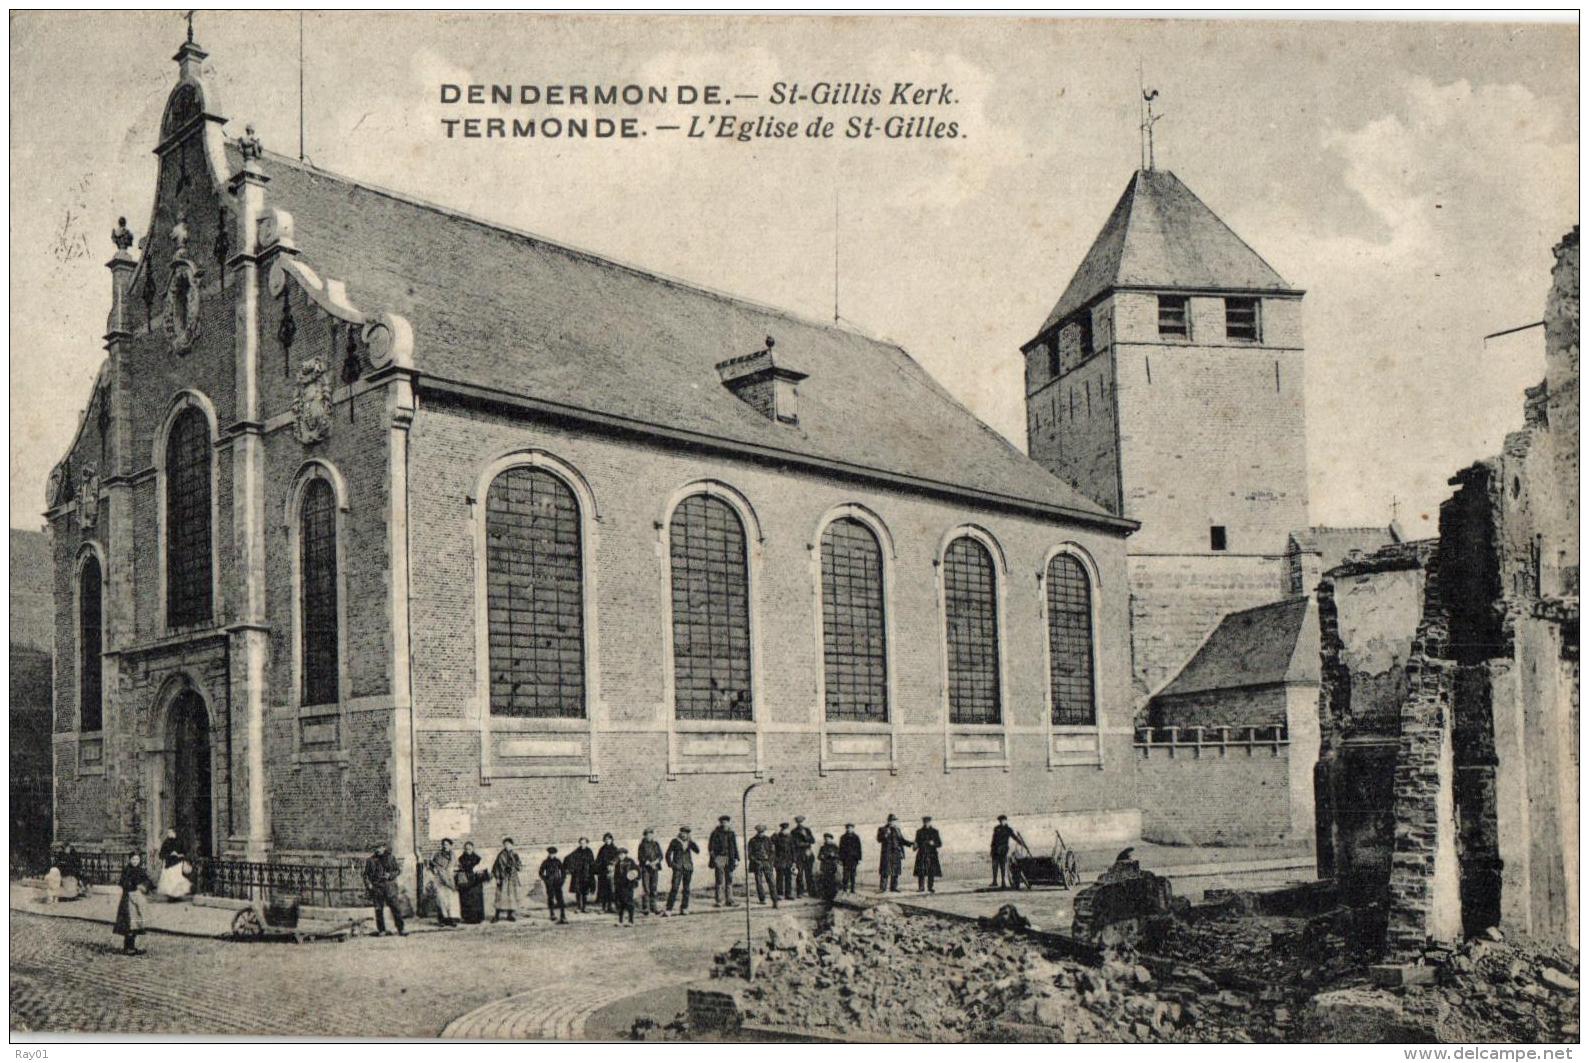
{"type": "Point", "coordinates": [1160, 235]}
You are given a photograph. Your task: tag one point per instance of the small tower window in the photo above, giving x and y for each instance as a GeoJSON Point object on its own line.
{"type": "Point", "coordinates": [1084, 335]}
{"type": "Point", "coordinates": [1172, 316]}
{"type": "Point", "coordinates": [1216, 537]}
{"type": "Point", "coordinates": [1241, 319]}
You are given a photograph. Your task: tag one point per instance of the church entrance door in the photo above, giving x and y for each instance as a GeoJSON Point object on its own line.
{"type": "Point", "coordinates": [190, 771]}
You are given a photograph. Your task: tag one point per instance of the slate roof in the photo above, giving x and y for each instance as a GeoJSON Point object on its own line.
{"type": "Point", "coordinates": [1334, 544]}
{"type": "Point", "coordinates": [502, 309]}
{"type": "Point", "coordinates": [1262, 646]}
{"type": "Point", "coordinates": [1160, 235]}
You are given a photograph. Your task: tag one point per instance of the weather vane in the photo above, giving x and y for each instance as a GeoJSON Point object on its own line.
{"type": "Point", "coordinates": [1148, 118]}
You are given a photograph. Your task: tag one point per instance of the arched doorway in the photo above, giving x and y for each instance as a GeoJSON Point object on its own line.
{"type": "Point", "coordinates": [189, 774]}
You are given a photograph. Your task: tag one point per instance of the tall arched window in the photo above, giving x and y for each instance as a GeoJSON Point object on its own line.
{"type": "Point", "coordinates": [854, 650]}
{"type": "Point", "coordinates": [535, 596]}
{"type": "Point", "coordinates": [317, 601]}
{"type": "Point", "coordinates": [189, 588]}
{"type": "Point", "coordinates": [711, 611]}
{"type": "Point", "coordinates": [1070, 643]}
{"type": "Point", "coordinates": [971, 611]}
{"type": "Point", "coordinates": [90, 642]}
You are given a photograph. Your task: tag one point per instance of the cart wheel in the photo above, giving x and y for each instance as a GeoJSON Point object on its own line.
{"type": "Point", "coordinates": [246, 925]}
{"type": "Point", "coordinates": [1072, 873]}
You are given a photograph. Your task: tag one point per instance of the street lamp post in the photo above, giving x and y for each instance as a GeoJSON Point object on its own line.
{"type": "Point", "coordinates": [744, 832]}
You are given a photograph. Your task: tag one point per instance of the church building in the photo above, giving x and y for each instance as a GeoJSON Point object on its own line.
{"type": "Point", "coordinates": [384, 523]}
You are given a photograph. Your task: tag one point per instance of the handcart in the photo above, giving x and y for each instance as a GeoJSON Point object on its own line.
{"type": "Point", "coordinates": [281, 917]}
{"type": "Point", "coordinates": [1058, 868]}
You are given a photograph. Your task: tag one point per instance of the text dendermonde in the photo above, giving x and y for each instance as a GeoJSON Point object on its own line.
{"type": "Point", "coordinates": [571, 95]}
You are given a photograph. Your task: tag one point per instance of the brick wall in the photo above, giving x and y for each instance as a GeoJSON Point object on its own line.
{"type": "Point", "coordinates": [1231, 707]}
{"type": "Point", "coordinates": [1234, 794]}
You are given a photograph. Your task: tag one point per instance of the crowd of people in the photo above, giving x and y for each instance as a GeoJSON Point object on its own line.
{"type": "Point", "coordinates": [783, 865]}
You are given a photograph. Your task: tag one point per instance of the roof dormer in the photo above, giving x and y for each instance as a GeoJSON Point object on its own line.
{"type": "Point", "coordinates": [768, 387]}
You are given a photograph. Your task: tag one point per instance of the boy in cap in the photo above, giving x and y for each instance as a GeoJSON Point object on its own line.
{"type": "Point", "coordinates": [759, 852]}
{"type": "Point", "coordinates": [804, 840]}
{"type": "Point", "coordinates": [849, 857]}
{"type": "Point", "coordinates": [551, 873]}
{"type": "Point", "coordinates": [625, 877]}
{"type": "Point", "coordinates": [650, 860]}
{"type": "Point", "coordinates": [783, 858]}
{"type": "Point", "coordinates": [891, 855]}
{"type": "Point", "coordinates": [580, 867]}
{"type": "Point", "coordinates": [828, 869]}
{"type": "Point", "coordinates": [1003, 834]}
{"type": "Point", "coordinates": [682, 863]}
{"type": "Point", "coordinates": [722, 849]}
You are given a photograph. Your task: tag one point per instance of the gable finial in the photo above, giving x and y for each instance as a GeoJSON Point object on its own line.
{"type": "Point", "coordinates": [190, 15]}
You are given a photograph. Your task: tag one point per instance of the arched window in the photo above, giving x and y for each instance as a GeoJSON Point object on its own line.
{"type": "Point", "coordinates": [317, 601]}
{"type": "Point", "coordinates": [188, 566]}
{"type": "Point", "coordinates": [1070, 643]}
{"type": "Point", "coordinates": [971, 611]}
{"type": "Point", "coordinates": [854, 650]}
{"type": "Point", "coordinates": [90, 641]}
{"type": "Point", "coordinates": [535, 596]}
{"type": "Point", "coordinates": [711, 611]}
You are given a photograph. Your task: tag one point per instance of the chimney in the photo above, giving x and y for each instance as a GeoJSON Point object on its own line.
{"type": "Point", "coordinates": [769, 388]}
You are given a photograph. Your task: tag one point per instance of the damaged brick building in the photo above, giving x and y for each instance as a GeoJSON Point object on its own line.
{"type": "Point", "coordinates": [1447, 786]}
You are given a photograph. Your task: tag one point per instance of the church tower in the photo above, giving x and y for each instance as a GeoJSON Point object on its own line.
{"type": "Point", "coordinates": [1167, 386]}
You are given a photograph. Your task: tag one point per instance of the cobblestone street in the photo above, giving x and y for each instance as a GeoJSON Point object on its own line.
{"type": "Point", "coordinates": [484, 982]}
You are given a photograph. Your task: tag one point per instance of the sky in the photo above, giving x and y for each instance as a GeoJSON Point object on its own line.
{"type": "Point", "coordinates": [1412, 177]}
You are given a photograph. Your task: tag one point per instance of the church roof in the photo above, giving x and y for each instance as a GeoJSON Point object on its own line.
{"type": "Point", "coordinates": [1262, 646]}
{"type": "Point", "coordinates": [502, 310]}
{"type": "Point", "coordinates": [1160, 235]}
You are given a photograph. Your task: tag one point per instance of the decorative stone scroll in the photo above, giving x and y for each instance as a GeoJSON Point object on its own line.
{"type": "Point", "coordinates": [389, 337]}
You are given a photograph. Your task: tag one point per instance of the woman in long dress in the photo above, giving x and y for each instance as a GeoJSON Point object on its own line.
{"type": "Point", "coordinates": [441, 875]}
{"type": "Point", "coordinates": [471, 886]}
{"type": "Point", "coordinates": [130, 913]}
{"type": "Point", "coordinates": [174, 884]}
{"type": "Point", "coordinates": [505, 870]}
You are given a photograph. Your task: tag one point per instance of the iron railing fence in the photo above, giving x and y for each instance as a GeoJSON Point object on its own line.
{"type": "Point", "coordinates": [1266, 735]}
{"type": "Point", "coordinates": [339, 885]}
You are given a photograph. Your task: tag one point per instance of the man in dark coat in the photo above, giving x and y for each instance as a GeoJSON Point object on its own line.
{"type": "Point", "coordinates": [1003, 835]}
{"type": "Point", "coordinates": [625, 877]}
{"type": "Point", "coordinates": [606, 856]}
{"type": "Point", "coordinates": [682, 862]}
{"type": "Point", "coordinates": [580, 867]}
{"type": "Point", "coordinates": [828, 869]}
{"type": "Point", "coordinates": [759, 851]}
{"type": "Point", "coordinates": [928, 842]}
{"type": "Point", "coordinates": [890, 855]}
{"type": "Point", "coordinates": [804, 840]}
{"type": "Point", "coordinates": [650, 861]}
{"type": "Point", "coordinates": [381, 872]}
{"type": "Point", "coordinates": [551, 873]}
{"type": "Point", "coordinates": [783, 860]}
{"type": "Point", "coordinates": [849, 857]}
{"type": "Point", "coordinates": [722, 849]}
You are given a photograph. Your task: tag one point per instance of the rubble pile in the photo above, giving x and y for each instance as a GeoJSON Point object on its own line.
{"type": "Point", "coordinates": [1492, 989]}
{"type": "Point", "coordinates": [880, 973]}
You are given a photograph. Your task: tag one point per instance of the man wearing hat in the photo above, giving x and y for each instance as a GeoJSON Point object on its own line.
{"type": "Point", "coordinates": [759, 851]}
{"type": "Point", "coordinates": [381, 872]}
{"type": "Point", "coordinates": [891, 855]}
{"type": "Point", "coordinates": [551, 873]}
{"type": "Point", "coordinates": [928, 842]}
{"type": "Point", "coordinates": [783, 859]}
{"type": "Point", "coordinates": [849, 857]}
{"type": "Point", "coordinates": [580, 867]}
{"type": "Point", "coordinates": [804, 840]}
{"type": "Point", "coordinates": [722, 849]}
{"type": "Point", "coordinates": [1003, 834]}
{"type": "Point", "coordinates": [650, 860]}
{"type": "Point", "coordinates": [682, 864]}
{"type": "Point", "coordinates": [828, 869]}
